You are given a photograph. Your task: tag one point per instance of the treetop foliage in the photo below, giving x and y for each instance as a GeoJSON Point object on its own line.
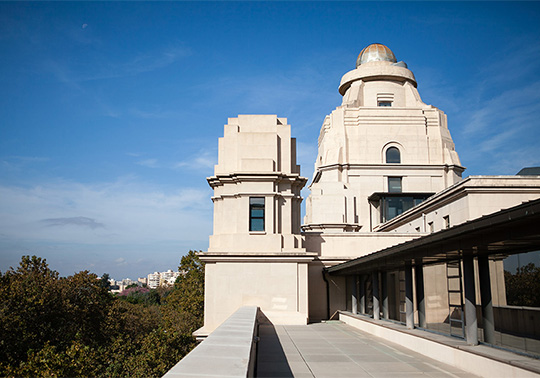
{"type": "Point", "coordinates": [72, 326]}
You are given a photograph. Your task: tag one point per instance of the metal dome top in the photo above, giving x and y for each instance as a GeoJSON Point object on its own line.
{"type": "Point", "coordinates": [375, 52]}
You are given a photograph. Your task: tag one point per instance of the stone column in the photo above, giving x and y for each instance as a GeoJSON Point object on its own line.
{"type": "Point", "coordinates": [420, 300]}
{"type": "Point", "coordinates": [471, 325]}
{"type": "Point", "coordinates": [362, 295]}
{"type": "Point", "coordinates": [384, 289]}
{"type": "Point", "coordinates": [409, 309]}
{"type": "Point", "coordinates": [485, 297]}
{"type": "Point", "coordinates": [354, 295]}
{"type": "Point", "coordinates": [375, 284]}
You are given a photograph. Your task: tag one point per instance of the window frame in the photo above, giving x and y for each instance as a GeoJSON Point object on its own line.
{"type": "Point", "coordinates": [395, 179]}
{"type": "Point", "coordinates": [392, 148]}
{"type": "Point", "coordinates": [256, 205]}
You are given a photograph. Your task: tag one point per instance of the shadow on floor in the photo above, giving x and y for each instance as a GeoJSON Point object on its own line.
{"type": "Point", "coordinates": [271, 359]}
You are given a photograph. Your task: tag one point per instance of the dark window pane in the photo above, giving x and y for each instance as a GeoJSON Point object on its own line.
{"type": "Point", "coordinates": [393, 155]}
{"type": "Point", "coordinates": [393, 206]}
{"type": "Point", "coordinates": [256, 201]}
{"type": "Point", "coordinates": [256, 224]}
{"type": "Point", "coordinates": [256, 214]}
{"type": "Point", "coordinates": [394, 184]}
{"type": "Point", "coordinates": [384, 103]}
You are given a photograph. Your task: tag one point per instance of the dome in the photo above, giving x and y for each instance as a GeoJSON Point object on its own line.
{"type": "Point", "coordinates": [375, 53]}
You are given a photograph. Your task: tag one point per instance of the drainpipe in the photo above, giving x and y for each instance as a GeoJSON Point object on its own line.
{"type": "Point", "coordinates": [327, 293]}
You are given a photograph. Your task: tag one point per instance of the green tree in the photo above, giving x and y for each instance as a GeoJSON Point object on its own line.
{"type": "Point", "coordinates": [187, 297]}
{"type": "Point", "coordinates": [43, 314]}
{"type": "Point", "coordinates": [31, 309]}
{"type": "Point", "coordinates": [104, 281]}
{"type": "Point", "coordinates": [52, 326]}
{"type": "Point", "coordinates": [85, 302]}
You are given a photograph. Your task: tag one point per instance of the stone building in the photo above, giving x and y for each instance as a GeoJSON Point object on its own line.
{"type": "Point", "coordinates": [388, 181]}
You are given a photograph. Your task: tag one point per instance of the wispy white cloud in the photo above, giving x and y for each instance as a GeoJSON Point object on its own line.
{"type": "Point", "coordinates": [495, 118]}
{"type": "Point", "coordinates": [511, 108]}
{"type": "Point", "coordinates": [149, 163]}
{"type": "Point", "coordinates": [79, 226]}
{"type": "Point", "coordinates": [19, 162]}
{"type": "Point", "coordinates": [203, 160]}
{"type": "Point", "coordinates": [132, 211]}
{"type": "Point", "coordinates": [101, 66]}
{"type": "Point", "coordinates": [121, 261]}
{"type": "Point", "coordinates": [73, 221]}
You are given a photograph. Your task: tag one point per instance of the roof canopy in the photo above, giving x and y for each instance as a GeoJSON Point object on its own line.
{"type": "Point", "coordinates": [507, 232]}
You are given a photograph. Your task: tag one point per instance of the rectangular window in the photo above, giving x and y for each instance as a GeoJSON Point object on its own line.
{"type": "Point", "coordinates": [446, 219]}
{"type": "Point", "coordinates": [394, 205]}
{"type": "Point", "coordinates": [394, 184]}
{"type": "Point", "coordinates": [256, 213]}
{"type": "Point", "coordinates": [384, 103]}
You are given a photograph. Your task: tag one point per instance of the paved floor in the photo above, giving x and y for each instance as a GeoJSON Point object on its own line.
{"type": "Point", "coordinates": [335, 349]}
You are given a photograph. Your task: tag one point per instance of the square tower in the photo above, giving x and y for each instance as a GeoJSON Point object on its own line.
{"type": "Point", "coordinates": [256, 254]}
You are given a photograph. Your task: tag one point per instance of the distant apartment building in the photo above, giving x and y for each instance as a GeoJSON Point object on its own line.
{"type": "Point", "coordinates": [162, 278]}
{"type": "Point", "coordinates": [153, 280]}
{"type": "Point", "coordinates": [119, 286]}
{"type": "Point", "coordinates": [168, 278]}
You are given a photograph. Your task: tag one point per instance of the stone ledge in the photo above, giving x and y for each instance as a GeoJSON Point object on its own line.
{"type": "Point", "coordinates": [229, 351]}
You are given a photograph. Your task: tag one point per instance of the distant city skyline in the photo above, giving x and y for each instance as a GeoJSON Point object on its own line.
{"type": "Point", "coordinates": [111, 111]}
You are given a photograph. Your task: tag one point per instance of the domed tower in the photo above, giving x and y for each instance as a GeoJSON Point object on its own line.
{"type": "Point", "coordinates": [381, 152]}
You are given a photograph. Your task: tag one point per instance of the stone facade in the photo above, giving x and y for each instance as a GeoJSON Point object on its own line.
{"type": "Point", "coordinates": [386, 172]}
{"type": "Point", "coordinates": [256, 254]}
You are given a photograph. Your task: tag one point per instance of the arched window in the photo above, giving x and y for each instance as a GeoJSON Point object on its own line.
{"type": "Point", "coordinates": [393, 155]}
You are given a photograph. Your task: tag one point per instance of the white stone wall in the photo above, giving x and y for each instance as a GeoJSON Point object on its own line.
{"type": "Point", "coordinates": [351, 164]}
{"type": "Point", "coordinates": [269, 268]}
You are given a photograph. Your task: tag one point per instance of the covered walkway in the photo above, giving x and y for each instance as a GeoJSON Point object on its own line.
{"type": "Point", "coordinates": [334, 349]}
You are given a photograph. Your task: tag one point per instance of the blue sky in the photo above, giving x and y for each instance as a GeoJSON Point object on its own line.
{"type": "Point", "coordinates": [110, 111]}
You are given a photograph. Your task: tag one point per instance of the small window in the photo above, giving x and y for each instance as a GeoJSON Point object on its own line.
{"type": "Point", "coordinates": [256, 213]}
{"type": "Point", "coordinates": [394, 184]}
{"type": "Point", "coordinates": [393, 155]}
{"type": "Point", "coordinates": [384, 103]}
{"type": "Point", "coordinates": [446, 219]}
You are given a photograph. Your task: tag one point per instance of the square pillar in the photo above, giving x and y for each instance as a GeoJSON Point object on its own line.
{"type": "Point", "coordinates": [420, 300]}
{"type": "Point", "coordinates": [471, 325]}
{"type": "Point", "coordinates": [384, 289]}
{"type": "Point", "coordinates": [486, 300]}
{"type": "Point", "coordinates": [354, 295]}
{"type": "Point", "coordinates": [375, 284]}
{"type": "Point", "coordinates": [362, 294]}
{"type": "Point", "coordinates": [409, 309]}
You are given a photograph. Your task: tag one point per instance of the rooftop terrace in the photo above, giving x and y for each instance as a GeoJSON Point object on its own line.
{"type": "Point", "coordinates": [335, 349]}
{"type": "Point", "coordinates": [247, 345]}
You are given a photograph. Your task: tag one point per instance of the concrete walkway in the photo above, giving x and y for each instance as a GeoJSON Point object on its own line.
{"type": "Point", "coordinates": [335, 349]}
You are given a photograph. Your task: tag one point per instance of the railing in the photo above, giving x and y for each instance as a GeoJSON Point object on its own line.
{"type": "Point", "coordinates": [229, 351]}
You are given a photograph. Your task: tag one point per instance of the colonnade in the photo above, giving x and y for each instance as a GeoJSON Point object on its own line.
{"type": "Point", "coordinates": [414, 282]}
